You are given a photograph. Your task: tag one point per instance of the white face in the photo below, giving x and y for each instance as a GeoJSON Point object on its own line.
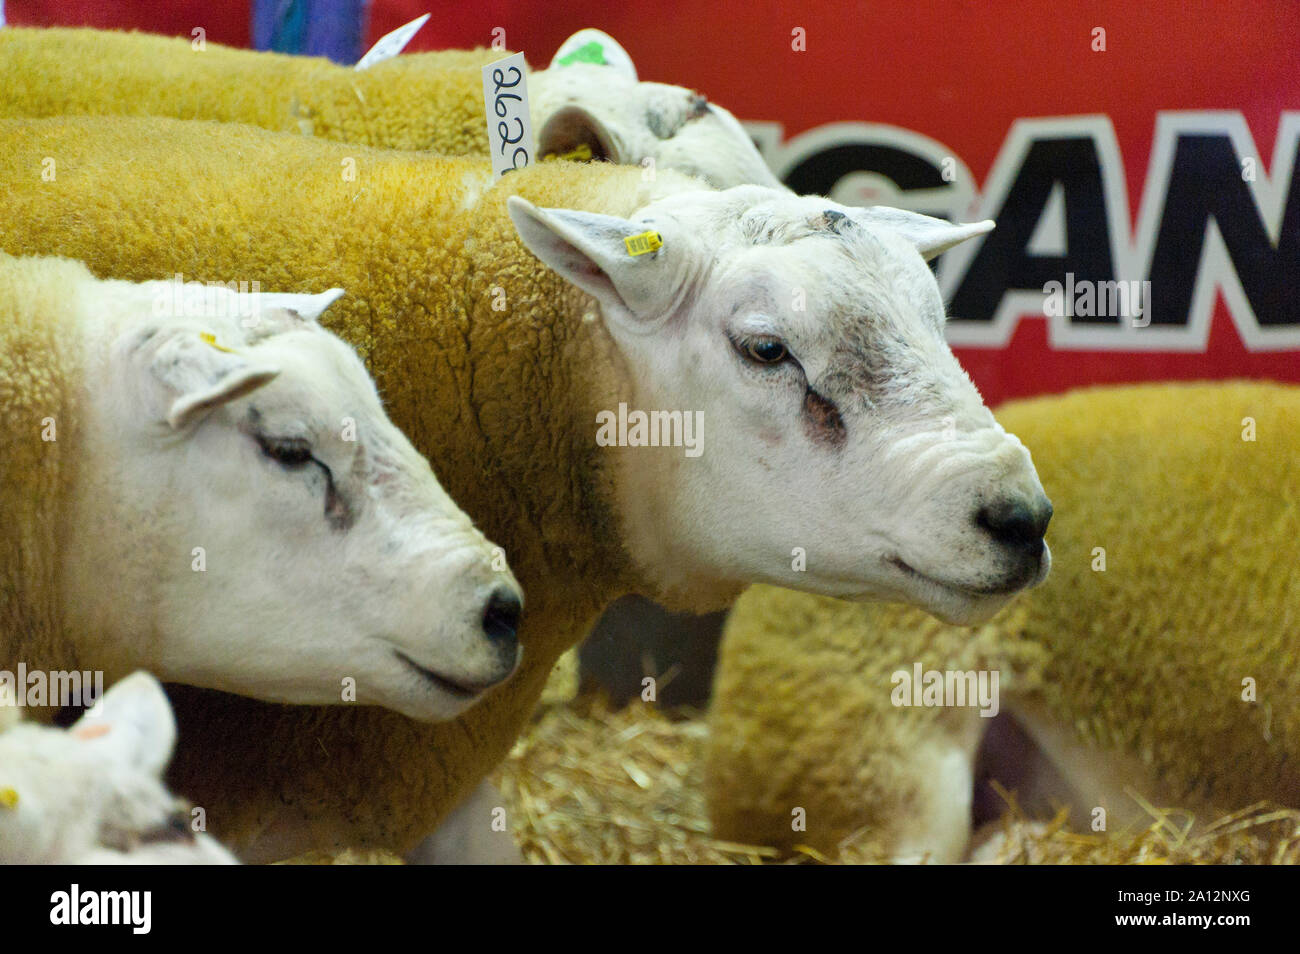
{"type": "Point", "coordinates": [844, 450]}
{"type": "Point", "coordinates": [282, 538]}
{"type": "Point", "coordinates": [93, 794]}
{"type": "Point", "coordinates": [617, 118]}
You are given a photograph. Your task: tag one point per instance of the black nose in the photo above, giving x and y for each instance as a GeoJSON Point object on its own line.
{"type": "Point", "coordinates": [1016, 522]}
{"type": "Point", "coordinates": [501, 623]}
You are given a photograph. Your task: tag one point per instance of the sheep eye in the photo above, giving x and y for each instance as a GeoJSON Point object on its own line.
{"type": "Point", "coordinates": [765, 350]}
{"type": "Point", "coordinates": [289, 452]}
{"type": "Point", "coordinates": [294, 453]}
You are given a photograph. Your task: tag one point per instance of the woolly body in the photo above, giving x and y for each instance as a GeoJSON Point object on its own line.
{"type": "Point", "coordinates": [40, 303]}
{"type": "Point", "coordinates": [419, 101]}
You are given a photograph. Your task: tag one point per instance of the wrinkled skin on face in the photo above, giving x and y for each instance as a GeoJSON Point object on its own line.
{"type": "Point", "coordinates": [272, 533]}
{"type": "Point", "coordinates": [845, 451]}
{"type": "Point", "coordinates": [93, 794]}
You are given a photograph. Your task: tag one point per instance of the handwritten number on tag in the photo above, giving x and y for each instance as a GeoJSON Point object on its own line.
{"type": "Point", "coordinates": [509, 125]}
{"type": "Point", "coordinates": [501, 109]}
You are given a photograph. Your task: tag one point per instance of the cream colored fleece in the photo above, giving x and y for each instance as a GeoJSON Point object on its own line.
{"type": "Point", "coordinates": [39, 304]}
{"type": "Point", "coordinates": [427, 101]}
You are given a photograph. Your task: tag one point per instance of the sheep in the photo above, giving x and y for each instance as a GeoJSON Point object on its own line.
{"type": "Point", "coordinates": [424, 101]}
{"type": "Point", "coordinates": [93, 794]}
{"type": "Point", "coordinates": [1161, 656]}
{"type": "Point", "coordinates": [845, 450]}
{"type": "Point", "coordinates": [590, 102]}
{"type": "Point", "coordinates": [204, 483]}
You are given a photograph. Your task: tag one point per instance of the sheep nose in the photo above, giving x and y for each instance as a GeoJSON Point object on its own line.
{"type": "Point", "coordinates": [501, 623]}
{"type": "Point", "coordinates": [1017, 523]}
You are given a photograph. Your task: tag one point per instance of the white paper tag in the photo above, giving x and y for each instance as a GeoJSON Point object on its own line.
{"type": "Point", "coordinates": [390, 44]}
{"type": "Point", "coordinates": [510, 126]}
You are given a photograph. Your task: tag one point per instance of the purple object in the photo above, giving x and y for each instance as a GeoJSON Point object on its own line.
{"type": "Point", "coordinates": [330, 28]}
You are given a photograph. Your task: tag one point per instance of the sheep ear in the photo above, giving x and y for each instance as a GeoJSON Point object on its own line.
{"type": "Point", "coordinates": [238, 382]}
{"type": "Point", "coordinates": [597, 48]}
{"type": "Point", "coordinates": [592, 251]}
{"type": "Point", "coordinates": [931, 236]}
{"type": "Point", "coordinates": [574, 132]}
{"type": "Point", "coordinates": [133, 724]}
{"type": "Point", "coordinates": [307, 307]}
{"type": "Point", "coordinates": [198, 373]}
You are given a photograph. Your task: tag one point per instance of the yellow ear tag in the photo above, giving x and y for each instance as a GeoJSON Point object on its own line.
{"type": "Point", "coordinates": [643, 243]}
{"type": "Point", "coordinates": [212, 340]}
{"type": "Point", "coordinates": [8, 798]}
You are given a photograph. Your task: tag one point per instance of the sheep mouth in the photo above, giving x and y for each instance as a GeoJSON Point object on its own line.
{"type": "Point", "coordinates": [455, 688]}
{"type": "Point", "coordinates": [970, 592]}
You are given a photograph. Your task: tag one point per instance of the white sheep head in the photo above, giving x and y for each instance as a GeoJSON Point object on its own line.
{"type": "Point", "coordinates": [266, 521]}
{"type": "Point", "coordinates": [93, 794]}
{"type": "Point", "coordinates": [845, 450]}
{"type": "Point", "coordinates": [590, 99]}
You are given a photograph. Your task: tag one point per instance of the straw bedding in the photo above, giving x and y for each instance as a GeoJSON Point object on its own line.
{"type": "Point", "coordinates": [589, 784]}
{"type": "Point", "coordinates": [586, 784]}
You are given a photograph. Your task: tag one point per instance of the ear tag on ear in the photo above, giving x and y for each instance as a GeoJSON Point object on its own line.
{"type": "Point", "coordinates": [212, 340]}
{"type": "Point", "coordinates": [592, 52]}
{"type": "Point", "coordinates": [643, 243]}
{"type": "Point", "coordinates": [592, 47]}
{"type": "Point", "coordinates": [8, 798]}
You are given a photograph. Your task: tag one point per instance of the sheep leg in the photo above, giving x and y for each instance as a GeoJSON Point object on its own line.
{"type": "Point", "coordinates": [1095, 784]}
{"type": "Point", "coordinates": [937, 829]}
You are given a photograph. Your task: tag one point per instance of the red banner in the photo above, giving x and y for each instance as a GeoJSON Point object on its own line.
{"type": "Point", "coordinates": [1138, 158]}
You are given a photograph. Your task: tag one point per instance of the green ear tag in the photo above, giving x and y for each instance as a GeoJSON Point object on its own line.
{"type": "Point", "coordinates": [591, 52]}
